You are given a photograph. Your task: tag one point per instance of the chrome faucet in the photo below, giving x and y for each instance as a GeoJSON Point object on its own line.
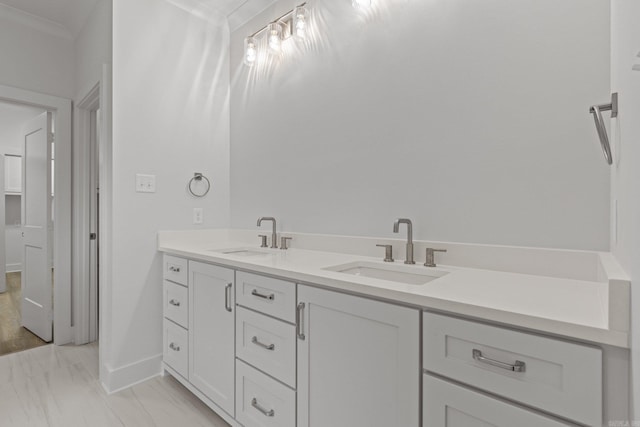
{"type": "Point", "coordinates": [274, 236]}
{"type": "Point", "coordinates": [396, 228]}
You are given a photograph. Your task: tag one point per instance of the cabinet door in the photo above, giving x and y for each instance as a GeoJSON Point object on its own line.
{"type": "Point", "coordinates": [358, 363]}
{"type": "Point", "coordinates": [449, 405]}
{"type": "Point", "coordinates": [12, 174]}
{"type": "Point", "coordinates": [211, 333]}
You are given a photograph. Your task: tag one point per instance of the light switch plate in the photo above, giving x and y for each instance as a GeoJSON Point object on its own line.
{"type": "Point", "coordinates": [145, 183]}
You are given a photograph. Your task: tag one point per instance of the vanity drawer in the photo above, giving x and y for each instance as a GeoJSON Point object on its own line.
{"type": "Point", "coordinates": [449, 405]}
{"type": "Point", "coordinates": [556, 376]}
{"type": "Point", "coordinates": [174, 269]}
{"type": "Point", "coordinates": [268, 344]}
{"type": "Point", "coordinates": [176, 345]}
{"type": "Point", "coordinates": [176, 299]}
{"type": "Point", "coordinates": [262, 401]}
{"type": "Point", "coordinates": [274, 297]}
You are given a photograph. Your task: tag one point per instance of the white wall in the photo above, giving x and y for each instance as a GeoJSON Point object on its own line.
{"type": "Point", "coordinates": [625, 234]}
{"type": "Point", "coordinates": [470, 117]}
{"type": "Point", "coordinates": [13, 117]}
{"type": "Point", "coordinates": [170, 119]}
{"type": "Point", "coordinates": [36, 56]}
{"type": "Point", "coordinates": [92, 49]}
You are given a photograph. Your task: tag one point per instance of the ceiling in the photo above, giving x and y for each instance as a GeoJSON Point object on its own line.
{"type": "Point", "coordinates": [236, 11]}
{"type": "Point", "coordinates": [70, 14]}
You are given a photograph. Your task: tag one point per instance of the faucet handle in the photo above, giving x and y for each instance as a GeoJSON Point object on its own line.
{"type": "Point", "coordinates": [283, 242]}
{"type": "Point", "coordinates": [388, 252]}
{"type": "Point", "coordinates": [430, 261]}
{"type": "Point", "coordinates": [263, 238]}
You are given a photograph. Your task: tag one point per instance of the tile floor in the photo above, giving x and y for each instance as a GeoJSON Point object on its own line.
{"type": "Point", "coordinates": [14, 337]}
{"type": "Point", "coordinates": [58, 386]}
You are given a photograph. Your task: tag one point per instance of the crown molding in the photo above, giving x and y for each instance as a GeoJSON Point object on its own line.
{"type": "Point", "coordinates": [35, 22]}
{"type": "Point", "coordinates": [246, 11]}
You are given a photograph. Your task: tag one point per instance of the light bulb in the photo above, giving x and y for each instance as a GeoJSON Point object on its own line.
{"type": "Point", "coordinates": [361, 4]}
{"type": "Point", "coordinates": [300, 22]}
{"type": "Point", "coordinates": [250, 51]}
{"type": "Point", "coordinates": [274, 37]}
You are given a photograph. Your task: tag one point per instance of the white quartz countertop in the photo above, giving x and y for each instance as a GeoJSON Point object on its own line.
{"type": "Point", "coordinates": [566, 307]}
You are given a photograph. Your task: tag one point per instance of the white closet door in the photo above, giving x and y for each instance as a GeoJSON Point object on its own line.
{"type": "Point", "coordinates": [37, 306]}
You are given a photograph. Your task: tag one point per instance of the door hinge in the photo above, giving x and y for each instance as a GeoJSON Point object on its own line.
{"type": "Point", "coordinates": [93, 236]}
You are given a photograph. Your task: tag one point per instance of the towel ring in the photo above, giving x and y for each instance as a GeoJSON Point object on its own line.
{"type": "Point", "coordinates": [198, 177]}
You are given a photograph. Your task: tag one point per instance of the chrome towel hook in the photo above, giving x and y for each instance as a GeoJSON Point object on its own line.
{"type": "Point", "coordinates": [597, 110]}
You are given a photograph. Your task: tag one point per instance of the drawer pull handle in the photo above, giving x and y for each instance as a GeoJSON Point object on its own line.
{"type": "Point", "coordinates": [174, 269]}
{"type": "Point", "coordinates": [174, 303]}
{"type": "Point", "coordinates": [299, 320]}
{"type": "Point", "coordinates": [265, 346]}
{"type": "Point", "coordinates": [174, 347]}
{"type": "Point", "coordinates": [269, 297]}
{"type": "Point", "coordinates": [255, 404]}
{"type": "Point", "coordinates": [519, 366]}
{"type": "Point", "coordinates": [227, 297]}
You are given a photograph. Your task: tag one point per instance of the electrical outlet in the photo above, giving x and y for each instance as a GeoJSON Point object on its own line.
{"type": "Point", "coordinates": [197, 216]}
{"type": "Point", "coordinates": [145, 183]}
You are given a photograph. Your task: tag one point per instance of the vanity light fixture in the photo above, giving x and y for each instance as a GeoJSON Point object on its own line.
{"type": "Point", "coordinates": [274, 37]}
{"type": "Point", "coordinates": [300, 22]}
{"type": "Point", "coordinates": [293, 23]}
{"type": "Point", "coordinates": [250, 51]}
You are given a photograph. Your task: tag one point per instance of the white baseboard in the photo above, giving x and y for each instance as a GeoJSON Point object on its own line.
{"type": "Point", "coordinates": [114, 380]}
{"type": "Point", "coordinates": [14, 268]}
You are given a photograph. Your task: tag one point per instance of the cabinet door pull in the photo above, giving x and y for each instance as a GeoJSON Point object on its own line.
{"type": "Point", "coordinates": [174, 269]}
{"type": "Point", "coordinates": [269, 297]}
{"type": "Point", "coordinates": [227, 297]}
{"type": "Point", "coordinates": [299, 320]}
{"type": "Point", "coordinates": [174, 347]}
{"type": "Point", "coordinates": [174, 303]}
{"type": "Point", "coordinates": [255, 404]}
{"type": "Point", "coordinates": [518, 366]}
{"type": "Point", "coordinates": [265, 346]}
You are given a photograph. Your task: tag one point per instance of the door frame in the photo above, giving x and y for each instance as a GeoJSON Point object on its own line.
{"type": "Point", "coordinates": [62, 316]}
{"type": "Point", "coordinates": [83, 305]}
{"type": "Point", "coordinates": [89, 305]}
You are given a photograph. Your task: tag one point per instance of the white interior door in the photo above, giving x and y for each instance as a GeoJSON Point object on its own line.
{"type": "Point", "coordinates": [37, 305]}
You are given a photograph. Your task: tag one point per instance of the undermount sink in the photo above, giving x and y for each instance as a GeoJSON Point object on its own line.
{"type": "Point", "coordinates": [243, 252]}
{"type": "Point", "coordinates": [392, 273]}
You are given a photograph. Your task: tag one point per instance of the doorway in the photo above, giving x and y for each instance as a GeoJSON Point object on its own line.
{"type": "Point", "coordinates": [26, 283]}
{"type": "Point", "coordinates": [60, 120]}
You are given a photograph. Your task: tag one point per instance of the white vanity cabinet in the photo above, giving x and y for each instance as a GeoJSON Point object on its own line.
{"type": "Point", "coordinates": [175, 333]}
{"type": "Point", "coordinates": [212, 333]}
{"type": "Point", "coordinates": [557, 377]}
{"type": "Point", "coordinates": [268, 352]}
{"type": "Point", "coordinates": [265, 351]}
{"type": "Point", "coordinates": [358, 361]}
{"type": "Point", "coordinates": [450, 405]}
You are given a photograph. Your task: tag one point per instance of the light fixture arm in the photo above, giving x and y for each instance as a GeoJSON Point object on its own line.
{"type": "Point", "coordinates": [286, 20]}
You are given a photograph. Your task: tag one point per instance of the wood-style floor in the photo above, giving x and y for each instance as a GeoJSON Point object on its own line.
{"type": "Point", "coordinates": [14, 337]}
{"type": "Point", "coordinates": [58, 386]}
